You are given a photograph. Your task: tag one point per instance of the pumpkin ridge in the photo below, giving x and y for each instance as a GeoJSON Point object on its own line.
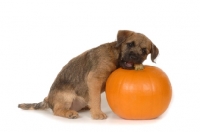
{"type": "Point", "coordinates": [152, 92]}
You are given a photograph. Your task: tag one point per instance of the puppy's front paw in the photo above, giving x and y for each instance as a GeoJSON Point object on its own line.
{"type": "Point", "coordinates": [138, 67]}
{"type": "Point", "coordinates": [71, 114]}
{"type": "Point", "coordinates": [98, 115]}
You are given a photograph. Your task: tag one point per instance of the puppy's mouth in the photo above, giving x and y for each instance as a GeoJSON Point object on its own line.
{"type": "Point", "coordinates": [129, 60]}
{"type": "Point", "coordinates": [127, 64]}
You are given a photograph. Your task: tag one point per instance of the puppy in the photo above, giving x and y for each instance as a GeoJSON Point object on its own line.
{"type": "Point", "coordinates": [80, 82]}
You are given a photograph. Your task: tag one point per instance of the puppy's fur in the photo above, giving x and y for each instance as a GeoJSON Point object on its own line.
{"type": "Point", "coordinates": [81, 81]}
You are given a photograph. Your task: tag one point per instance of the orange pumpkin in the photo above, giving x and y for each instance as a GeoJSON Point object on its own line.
{"type": "Point", "coordinates": [143, 94]}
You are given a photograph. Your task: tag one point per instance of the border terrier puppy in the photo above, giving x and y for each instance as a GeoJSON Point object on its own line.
{"type": "Point", "coordinates": [80, 82]}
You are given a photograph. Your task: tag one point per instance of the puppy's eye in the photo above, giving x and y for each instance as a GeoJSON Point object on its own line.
{"type": "Point", "coordinates": [131, 44]}
{"type": "Point", "coordinates": [144, 51]}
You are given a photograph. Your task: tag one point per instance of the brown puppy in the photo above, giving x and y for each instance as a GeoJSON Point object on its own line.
{"type": "Point", "coordinates": [80, 83]}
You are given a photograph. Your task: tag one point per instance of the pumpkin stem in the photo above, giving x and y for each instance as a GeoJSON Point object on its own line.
{"type": "Point", "coordinates": [138, 66]}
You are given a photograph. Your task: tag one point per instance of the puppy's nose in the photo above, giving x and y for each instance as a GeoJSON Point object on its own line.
{"type": "Point", "coordinates": [133, 56]}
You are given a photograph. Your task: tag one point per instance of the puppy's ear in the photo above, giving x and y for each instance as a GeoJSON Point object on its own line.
{"type": "Point", "coordinates": [154, 52]}
{"type": "Point", "coordinates": [122, 35]}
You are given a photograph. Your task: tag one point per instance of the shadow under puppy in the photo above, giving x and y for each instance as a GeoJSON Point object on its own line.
{"type": "Point", "coordinates": [80, 82]}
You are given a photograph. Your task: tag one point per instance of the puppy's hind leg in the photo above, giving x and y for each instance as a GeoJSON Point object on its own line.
{"type": "Point", "coordinates": [62, 103]}
{"type": "Point", "coordinates": [61, 110]}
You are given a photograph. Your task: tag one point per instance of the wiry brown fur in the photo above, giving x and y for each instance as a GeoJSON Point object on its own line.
{"type": "Point", "coordinates": [81, 81]}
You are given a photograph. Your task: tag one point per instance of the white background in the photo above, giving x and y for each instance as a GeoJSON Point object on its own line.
{"type": "Point", "coordinates": [38, 37]}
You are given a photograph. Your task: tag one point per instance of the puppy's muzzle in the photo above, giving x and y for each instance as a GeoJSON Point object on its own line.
{"type": "Point", "coordinates": [133, 56]}
{"type": "Point", "coordinates": [128, 61]}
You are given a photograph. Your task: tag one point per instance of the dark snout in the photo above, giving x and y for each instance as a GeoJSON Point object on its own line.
{"type": "Point", "coordinates": [129, 59]}
{"type": "Point", "coordinates": [134, 57]}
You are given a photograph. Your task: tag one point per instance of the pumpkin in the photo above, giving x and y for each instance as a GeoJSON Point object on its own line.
{"type": "Point", "coordinates": [143, 94]}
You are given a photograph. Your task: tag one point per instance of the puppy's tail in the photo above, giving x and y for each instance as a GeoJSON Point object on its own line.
{"type": "Point", "coordinates": [35, 106]}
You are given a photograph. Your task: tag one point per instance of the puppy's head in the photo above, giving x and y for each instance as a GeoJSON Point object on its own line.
{"type": "Point", "coordinates": [135, 48]}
